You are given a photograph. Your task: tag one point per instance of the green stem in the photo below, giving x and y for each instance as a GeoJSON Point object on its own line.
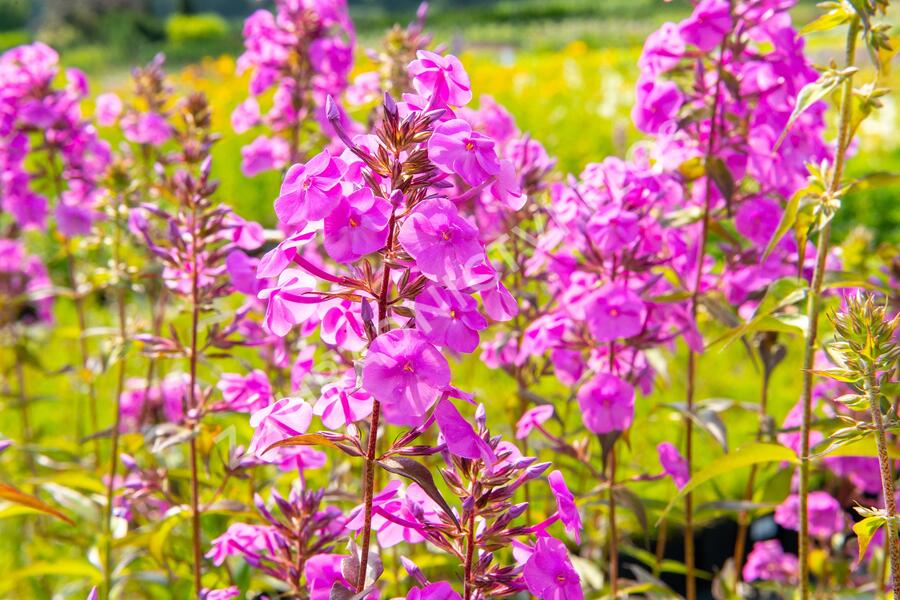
{"type": "Point", "coordinates": [195, 486]}
{"type": "Point", "coordinates": [887, 478]}
{"type": "Point", "coordinates": [613, 531]}
{"type": "Point", "coordinates": [812, 310]}
{"type": "Point", "coordinates": [120, 387]}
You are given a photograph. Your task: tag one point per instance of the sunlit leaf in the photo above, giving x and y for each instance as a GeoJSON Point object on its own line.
{"type": "Point", "coordinates": [865, 530]}
{"type": "Point", "coordinates": [419, 473]}
{"type": "Point", "coordinates": [16, 496]}
{"type": "Point", "coordinates": [753, 454]}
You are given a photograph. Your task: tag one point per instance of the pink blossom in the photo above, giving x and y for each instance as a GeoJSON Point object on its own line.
{"type": "Point", "coordinates": [283, 419]}
{"type": "Point", "coordinates": [607, 404]}
{"type": "Point", "coordinates": [289, 302]}
{"type": "Point", "coordinates": [404, 372]}
{"type": "Point", "coordinates": [549, 573]}
{"type": "Point", "coordinates": [221, 594]}
{"type": "Point", "coordinates": [449, 318]}
{"type": "Point", "coordinates": [656, 103]}
{"type": "Point", "coordinates": [826, 517]}
{"type": "Point", "coordinates": [310, 191]}
{"type": "Point", "coordinates": [456, 149]}
{"type": "Point", "coordinates": [239, 539]}
{"type": "Point", "coordinates": [446, 248]}
{"type": "Point", "coordinates": [459, 435]}
{"type": "Point", "coordinates": [264, 154]}
{"type": "Point", "coordinates": [442, 79]}
{"type": "Point", "coordinates": [565, 504]}
{"type": "Point", "coordinates": [708, 25]}
{"type": "Point", "coordinates": [615, 313]}
{"type": "Point", "coordinates": [358, 225]}
{"type": "Point", "coordinates": [342, 325]}
{"type": "Point", "coordinates": [613, 229]}
{"type": "Point", "coordinates": [533, 417]}
{"type": "Point", "coordinates": [245, 393]}
{"type": "Point", "coordinates": [322, 571]}
{"type": "Point", "coordinates": [343, 402]}
{"type": "Point", "coordinates": [768, 561]}
{"type": "Point", "coordinates": [245, 115]}
{"type": "Point", "coordinates": [149, 128]}
{"type": "Point", "coordinates": [109, 107]}
{"type": "Point", "coordinates": [434, 591]}
{"type": "Point", "coordinates": [673, 464]}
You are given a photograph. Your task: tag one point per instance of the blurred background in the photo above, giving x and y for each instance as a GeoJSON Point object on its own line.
{"type": "Point", "coordinates": [564, 68]}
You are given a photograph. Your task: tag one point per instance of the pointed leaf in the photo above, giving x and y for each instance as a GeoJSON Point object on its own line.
{"type": "Point", "coordinates": [16, 496]}
{"type": "Point", "coordinates": [788, 217]}
{"type": "Point", "coordinates": [752, 454]}
{"type": "Point", "coordinates": [809, 95]}
{"type": "Point", "coordinates": [865, 530]}
{"type": "Point", "coordinates": [306, 439]}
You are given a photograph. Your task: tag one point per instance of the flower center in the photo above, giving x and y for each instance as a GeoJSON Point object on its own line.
{"type": "Point", "coordinates": [561, 578]}
{"type": "Point", "coordinates": [353, 222]}
{"type": "Point", "coordinates": [408, 366]}
{"type": "Point", "coordinates": [307, 183]}
{"type": "Point", "coordinates": [446, 234]}
{"type": "Point", "coordinates": [470, 145]}
{"type": "Point", "coordinates": [614, 312]}
{"type": "Point", "coordinates": [452, 313]}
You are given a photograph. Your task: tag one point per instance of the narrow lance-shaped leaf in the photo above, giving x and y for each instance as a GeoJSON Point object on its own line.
{"type": "Point", "coordinates": [812, 93]}
{"type": "Point", "coordinates": [752, 454]}
{"type": "Point", "coordinates": [16, 496]}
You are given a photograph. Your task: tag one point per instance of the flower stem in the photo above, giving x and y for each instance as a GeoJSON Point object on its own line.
{"type": "Point", "coordinates": [368, 492]}
{"type": "Point", "coordinates": [117, 420]}
{"type": "Point", "coordinates": [744, 518]}
{"type": "Point", "coordinates": [195, 486]}
{"type": "Point", "coordinates": [812, 310]}
{"type": "Point", "coordinates": [470, 554]}
{"type": "Point", "coordinates": [887, 477]}
{"type": "Point", "coordinates": [613, 531]}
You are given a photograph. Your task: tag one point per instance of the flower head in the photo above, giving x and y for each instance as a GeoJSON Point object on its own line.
{"type": "Point", "coordinates": [310, 191]}
{"type": "Point", "coordinates": [607, 404]}
{"type": "Point", "coordinates": [456, 149]}
{"type": "Point", "coordinates": [549, 573]}
{"type": "Point", "coordinates": [565, 504]}
{"type": "Point", "coordinates": [449, 318]}
{"type": "Point", "coordinates": [358, 225]}
{"type": "Point", "coordinates": [442, 79]}
{"type": "Point", "coordinates": [404, 372]}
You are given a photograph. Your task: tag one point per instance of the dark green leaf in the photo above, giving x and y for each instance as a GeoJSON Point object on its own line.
{"type": "Point", "coordinates": [419, 473]}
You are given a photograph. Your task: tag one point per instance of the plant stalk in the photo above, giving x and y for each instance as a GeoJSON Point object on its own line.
{"type": "Point", "coordinates": [195, 486]}
{"type": "Point", "coordinates": [887, 478]}
{"type": "Point", "coordinates": [812, 310]}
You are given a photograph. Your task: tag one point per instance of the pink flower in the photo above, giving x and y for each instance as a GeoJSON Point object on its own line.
{"type": "Point", "coordinates": [343, 402]}
{"type": "Point", "coordinates": [264, 154]}
{"type": "Point", "coordinates": [826, 517]}
{"type": "Point", "coordinates": [607, 404]}
{"type": "Point", "coordinates": [615, 313]}
{"type": "Point", "coordinates": [533, 418]}
{"type": "Point", "coordinates": [322, 571]}
{"type": "Point", "coordinates": [673, 464]}
{"type": "Point", "coordinates": [239, 539]}
{"type": "Point", "coordinates": [404, 372]}
{"type": "Point", "coordinates": [286, 418]}
{"type": "Point", "coordinates": [611, 230]}
{"type": "Point", "coordinates": [245, 393]}
{"type": "Point", "coordinates": [455, 148]}
{"type": "Point", "coordinates": [449, 318]}
{"type": "Point", "coordinates": [357, 226]}
{"type": "Point", "coordinates": [434, 591]}
{"type": "Point", "coordinates": [565, 504]}
{"type": "Point", "coordinates": [708, 25]}
{"type": "Point", "coordinates": [663, 50]}
{"type": "Point", "coordinates": [446, 248]}
{"type": "Point", "coordinates": [109, 107]}
{"type": "Point", "coordinates": [768, 561]}
{"type": "Point", "coordinates": [342, 325]}
{"type": "Point", "coordinates": [459, 435]}
{"type": "Point", "coordinates": [146, 128]}
{"type": "Point", "coordinates": [288, 302]}
{"type": "Point", "coordinates": [245, 116]}
{"type": "Point", "coordinates": [656, 103]}
{"type": "Point", "coordinates": [442, 79]}
{"type": "Point", "coordinates": [549, 573]}
{"type": "Point", "coordinates": [310, 191]}
{"type": "Point", "coordinates": [221, 594]}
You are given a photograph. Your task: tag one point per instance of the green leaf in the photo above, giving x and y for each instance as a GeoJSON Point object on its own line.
{"type": "Point", "coordinates": [307, 439]}
{"type": "Point", "coordinates": [864, 531]}
{"type": "Point", "coordinates": [788, 217]}
{"type": "Point", "coordinates": [16, 496]}
{"type": "Point", "coordinates": [70, 569]}
{"type": "Point", "coordinates": [780, 293]}
{"type": "Point", "coordinates": [157, 542]}
{"type": "Point", "coordinates": [809, 95]}
{"type": "Point", "coordinates": [752, 454]}
{"type": "Point", "coordinates": [833, 18]}
{"type": "Point", "coordinates": [721, 176]}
